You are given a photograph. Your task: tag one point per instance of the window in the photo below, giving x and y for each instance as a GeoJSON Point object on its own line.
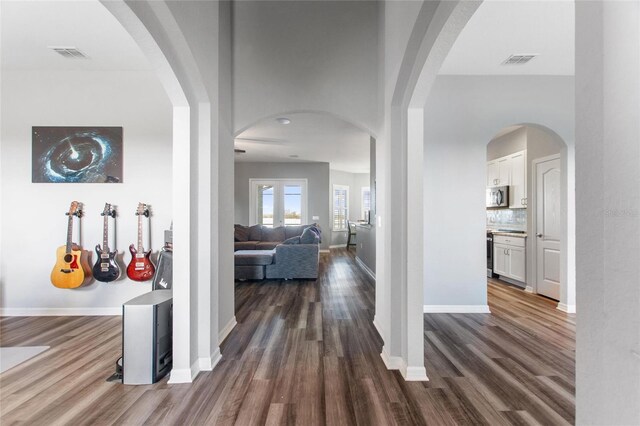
{"type": "Point", "coordinates": [366, 201]}
{"type": "Point", "coordinates": [340, 207]}
{"type": "Point", "coordinates": [278, 202]}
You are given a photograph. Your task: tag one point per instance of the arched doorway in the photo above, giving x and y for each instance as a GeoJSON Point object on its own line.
{"type": "Point", "coordinates": [517, 152]}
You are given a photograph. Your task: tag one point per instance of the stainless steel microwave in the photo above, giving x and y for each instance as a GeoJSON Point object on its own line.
{"type": "Point", "coordinates": [497, 197]}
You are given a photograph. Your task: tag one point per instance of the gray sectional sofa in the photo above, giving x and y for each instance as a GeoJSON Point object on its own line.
{"type": "Point", "coordinates": [286, 252]}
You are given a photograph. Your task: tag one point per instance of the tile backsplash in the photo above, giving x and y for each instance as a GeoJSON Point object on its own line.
{"type": "Point", "coordinates": [515, 219]}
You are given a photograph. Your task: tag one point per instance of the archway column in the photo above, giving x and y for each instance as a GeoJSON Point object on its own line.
{"type": "Point", "coordinates": [608, 212]}
{"type": "Point", "coordinates": [189, 46]}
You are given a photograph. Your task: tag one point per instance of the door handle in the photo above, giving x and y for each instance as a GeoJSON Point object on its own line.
{"type": "Point", "coordinates": [539, 235]}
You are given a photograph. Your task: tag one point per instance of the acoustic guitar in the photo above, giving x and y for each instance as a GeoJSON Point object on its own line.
{"type": "Point", "coordinates": [72, 268]}
{"type": "Point", "coordinates": [140, 268]}
{"type": "Point", "coordinates": [106, 268]}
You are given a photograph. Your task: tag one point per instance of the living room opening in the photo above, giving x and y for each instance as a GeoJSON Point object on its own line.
{"type": "Point", "coordinates": [304, 185]}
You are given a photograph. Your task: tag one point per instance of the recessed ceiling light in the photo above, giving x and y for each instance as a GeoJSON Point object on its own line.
{"type": "Point", "coordinates": [283, 120]}
{"type": "Point", "coordinates": [293, 156]}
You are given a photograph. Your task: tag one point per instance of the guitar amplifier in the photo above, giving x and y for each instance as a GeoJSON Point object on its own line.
{"type": "Point", "coordinates": [147, 337]}
{"type": "Point", "coordinates": [163, 278]}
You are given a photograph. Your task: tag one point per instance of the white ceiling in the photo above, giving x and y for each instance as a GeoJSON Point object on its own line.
{"type": "Point", "coordinates": [501, 28]}
{"type": "Point", "coordinates": [30, 27]}
{"type": "Point", "coordinates": [310, 136]}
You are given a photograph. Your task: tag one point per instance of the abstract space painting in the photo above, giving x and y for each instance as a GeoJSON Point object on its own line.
{"type": "Point", "coordinates": [77, 154]}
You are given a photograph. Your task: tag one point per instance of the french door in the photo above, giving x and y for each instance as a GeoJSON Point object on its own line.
{"type": "Point", "coordinates": [278, 202]}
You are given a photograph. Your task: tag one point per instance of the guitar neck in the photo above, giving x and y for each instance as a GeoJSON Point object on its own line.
{"type": "Point", "coordinates": [69, 234]}
{"type": "Point", "coordinates": [140, 248]}
{"type": "Point", "coordinates": [105, 239]}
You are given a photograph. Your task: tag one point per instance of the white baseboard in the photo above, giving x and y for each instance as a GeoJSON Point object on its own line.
{"type": "Point", "coordinates": [338, 246]}
{"type": "Point", "coordinates": [570, 309]}
{"type": "Point", "coordinates": [456, 309]}
{"type": "Point", "coordinates": [365, 268]}
{"type": "Point", "coordinates": [391, 362]}
{"type": "Point", "coordinates": [415, 374]}
{"type": "Point", "coordinates": [376, 324]}
{"type": "Point", "coordinates": [325, 251]}
{"type": "Point", "coordinates": [60, 312]}
{"type": "Point", "coordinates": [226, 330]}
{"type": "Point", "coordinates": [184, 375]}
{"type": "Point", "coordinates": [410, 374]}
{"type": "Point", "coordinates": [528, 289]}
{"type": "Point", "coordinates": [209, 363]}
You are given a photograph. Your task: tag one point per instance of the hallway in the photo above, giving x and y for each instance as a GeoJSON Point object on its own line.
{"type": "Point", "coordinates": [306, 352]}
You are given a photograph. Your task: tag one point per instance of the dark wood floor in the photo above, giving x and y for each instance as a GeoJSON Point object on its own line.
{"type": "Point", "coordinates": [305, 352]}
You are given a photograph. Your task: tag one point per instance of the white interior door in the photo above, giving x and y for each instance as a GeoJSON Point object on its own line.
{"type": "Point", "coordinates": [548, 228]}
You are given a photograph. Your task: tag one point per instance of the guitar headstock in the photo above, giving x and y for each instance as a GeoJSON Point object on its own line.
{"type": "Point", "coordinates": [142, 210]}
{"type": "Point", "coordinates": [75, 209]}
{"type": "Point", "coordinates": [108, 210]}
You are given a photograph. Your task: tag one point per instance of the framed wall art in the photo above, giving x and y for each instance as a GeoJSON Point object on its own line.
{"type": "Point", "coordinates": [76, 154]}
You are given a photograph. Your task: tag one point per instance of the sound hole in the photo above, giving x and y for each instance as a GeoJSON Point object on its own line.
{"type": "Point", "coordinates": [68, 258]}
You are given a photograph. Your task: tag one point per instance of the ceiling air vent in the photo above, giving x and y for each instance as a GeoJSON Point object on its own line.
{"type": "Point", "coordinates": [519, 59]}
{"type": "Point", "coordinates": [239, 151]}
{"type": "Point", "coordinates": [69, 52]}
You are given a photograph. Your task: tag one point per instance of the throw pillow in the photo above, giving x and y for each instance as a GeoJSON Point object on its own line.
{"type": "Point", "coordinates": [316, 230]}
{"type": "Point", "coordinates": [241, 233]}
{"type": "Point", "coordinates": [309, 237]}
{"type": "Point", "coordinates": [292, 240]}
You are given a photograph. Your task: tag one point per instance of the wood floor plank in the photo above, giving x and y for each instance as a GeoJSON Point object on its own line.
{"type": "Point", "coordinates": [306, 352]}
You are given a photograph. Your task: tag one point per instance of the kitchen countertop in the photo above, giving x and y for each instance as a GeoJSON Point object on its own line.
{"type": "Point", "coordinates": [363, 225]}
{"type": "Point", "coordinates": [508, 234]}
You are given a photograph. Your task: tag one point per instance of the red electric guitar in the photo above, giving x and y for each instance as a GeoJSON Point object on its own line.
{"type": "Point", "coordinates": [140, 268]}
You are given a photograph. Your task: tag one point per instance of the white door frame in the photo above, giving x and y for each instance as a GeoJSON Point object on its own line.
{"type": "Point", "coordinates": [534, 221]}
{"type": "Point", "coordinates": [253, 207]}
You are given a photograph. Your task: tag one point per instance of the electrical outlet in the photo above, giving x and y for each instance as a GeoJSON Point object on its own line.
{"type": "Point", "coordinates": [315, 218]}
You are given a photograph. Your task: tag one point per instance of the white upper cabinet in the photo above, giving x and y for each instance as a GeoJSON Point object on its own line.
{"type": "Point", "coordinates": [504, 171]}
{"type": "Point", "coordinates": [511, 171]}
{"type": "Point", "coordinates": [518, 184]}
{"type": "Point", "coordinates": [493, 173]}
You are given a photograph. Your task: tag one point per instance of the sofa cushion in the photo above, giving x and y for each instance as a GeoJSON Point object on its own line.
{"type": "Point", "coordinates": [253, 257]}
{"type": "Point", "coordinates": [241, 232]}
{"type": "Point", "coordinates": [255, 233]}
{"type": "Point", "coordinates": [292, 240]}
{"type": "Point", "coordinates": [293, 231]}
{"type": "Point", "coordinates": [273, 234]}
{"type": "Point", "coordinates": [245, 245]}
{"type": "Point", "coordinates": [309, 237]}
{"type": "Point", "coordinates": [267, 245]}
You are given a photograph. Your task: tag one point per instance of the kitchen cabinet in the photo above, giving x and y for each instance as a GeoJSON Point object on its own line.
{"type": "Point", "coordinates": [499, 172]}
{"type": "Point", "coordinates": [518, 182]}
{"type": "Point", "coordinates": [510, 170]}
{"type": "Point", "coordinates": [509, 257]}
{"type": "Point", "coordinates": [493, 173]}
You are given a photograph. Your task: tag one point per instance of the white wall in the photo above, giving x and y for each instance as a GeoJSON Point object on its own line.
{"type": "Point", "coordinates": [608, 212]}
{"type": "Point", "coordinates": [461, 115]}
{"type": "Point", "coordinates": [33, 221]}
{"type": "Point", "coordinates": [329, 65]}
{"type": "Point", "coordinates": [507, 144]}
